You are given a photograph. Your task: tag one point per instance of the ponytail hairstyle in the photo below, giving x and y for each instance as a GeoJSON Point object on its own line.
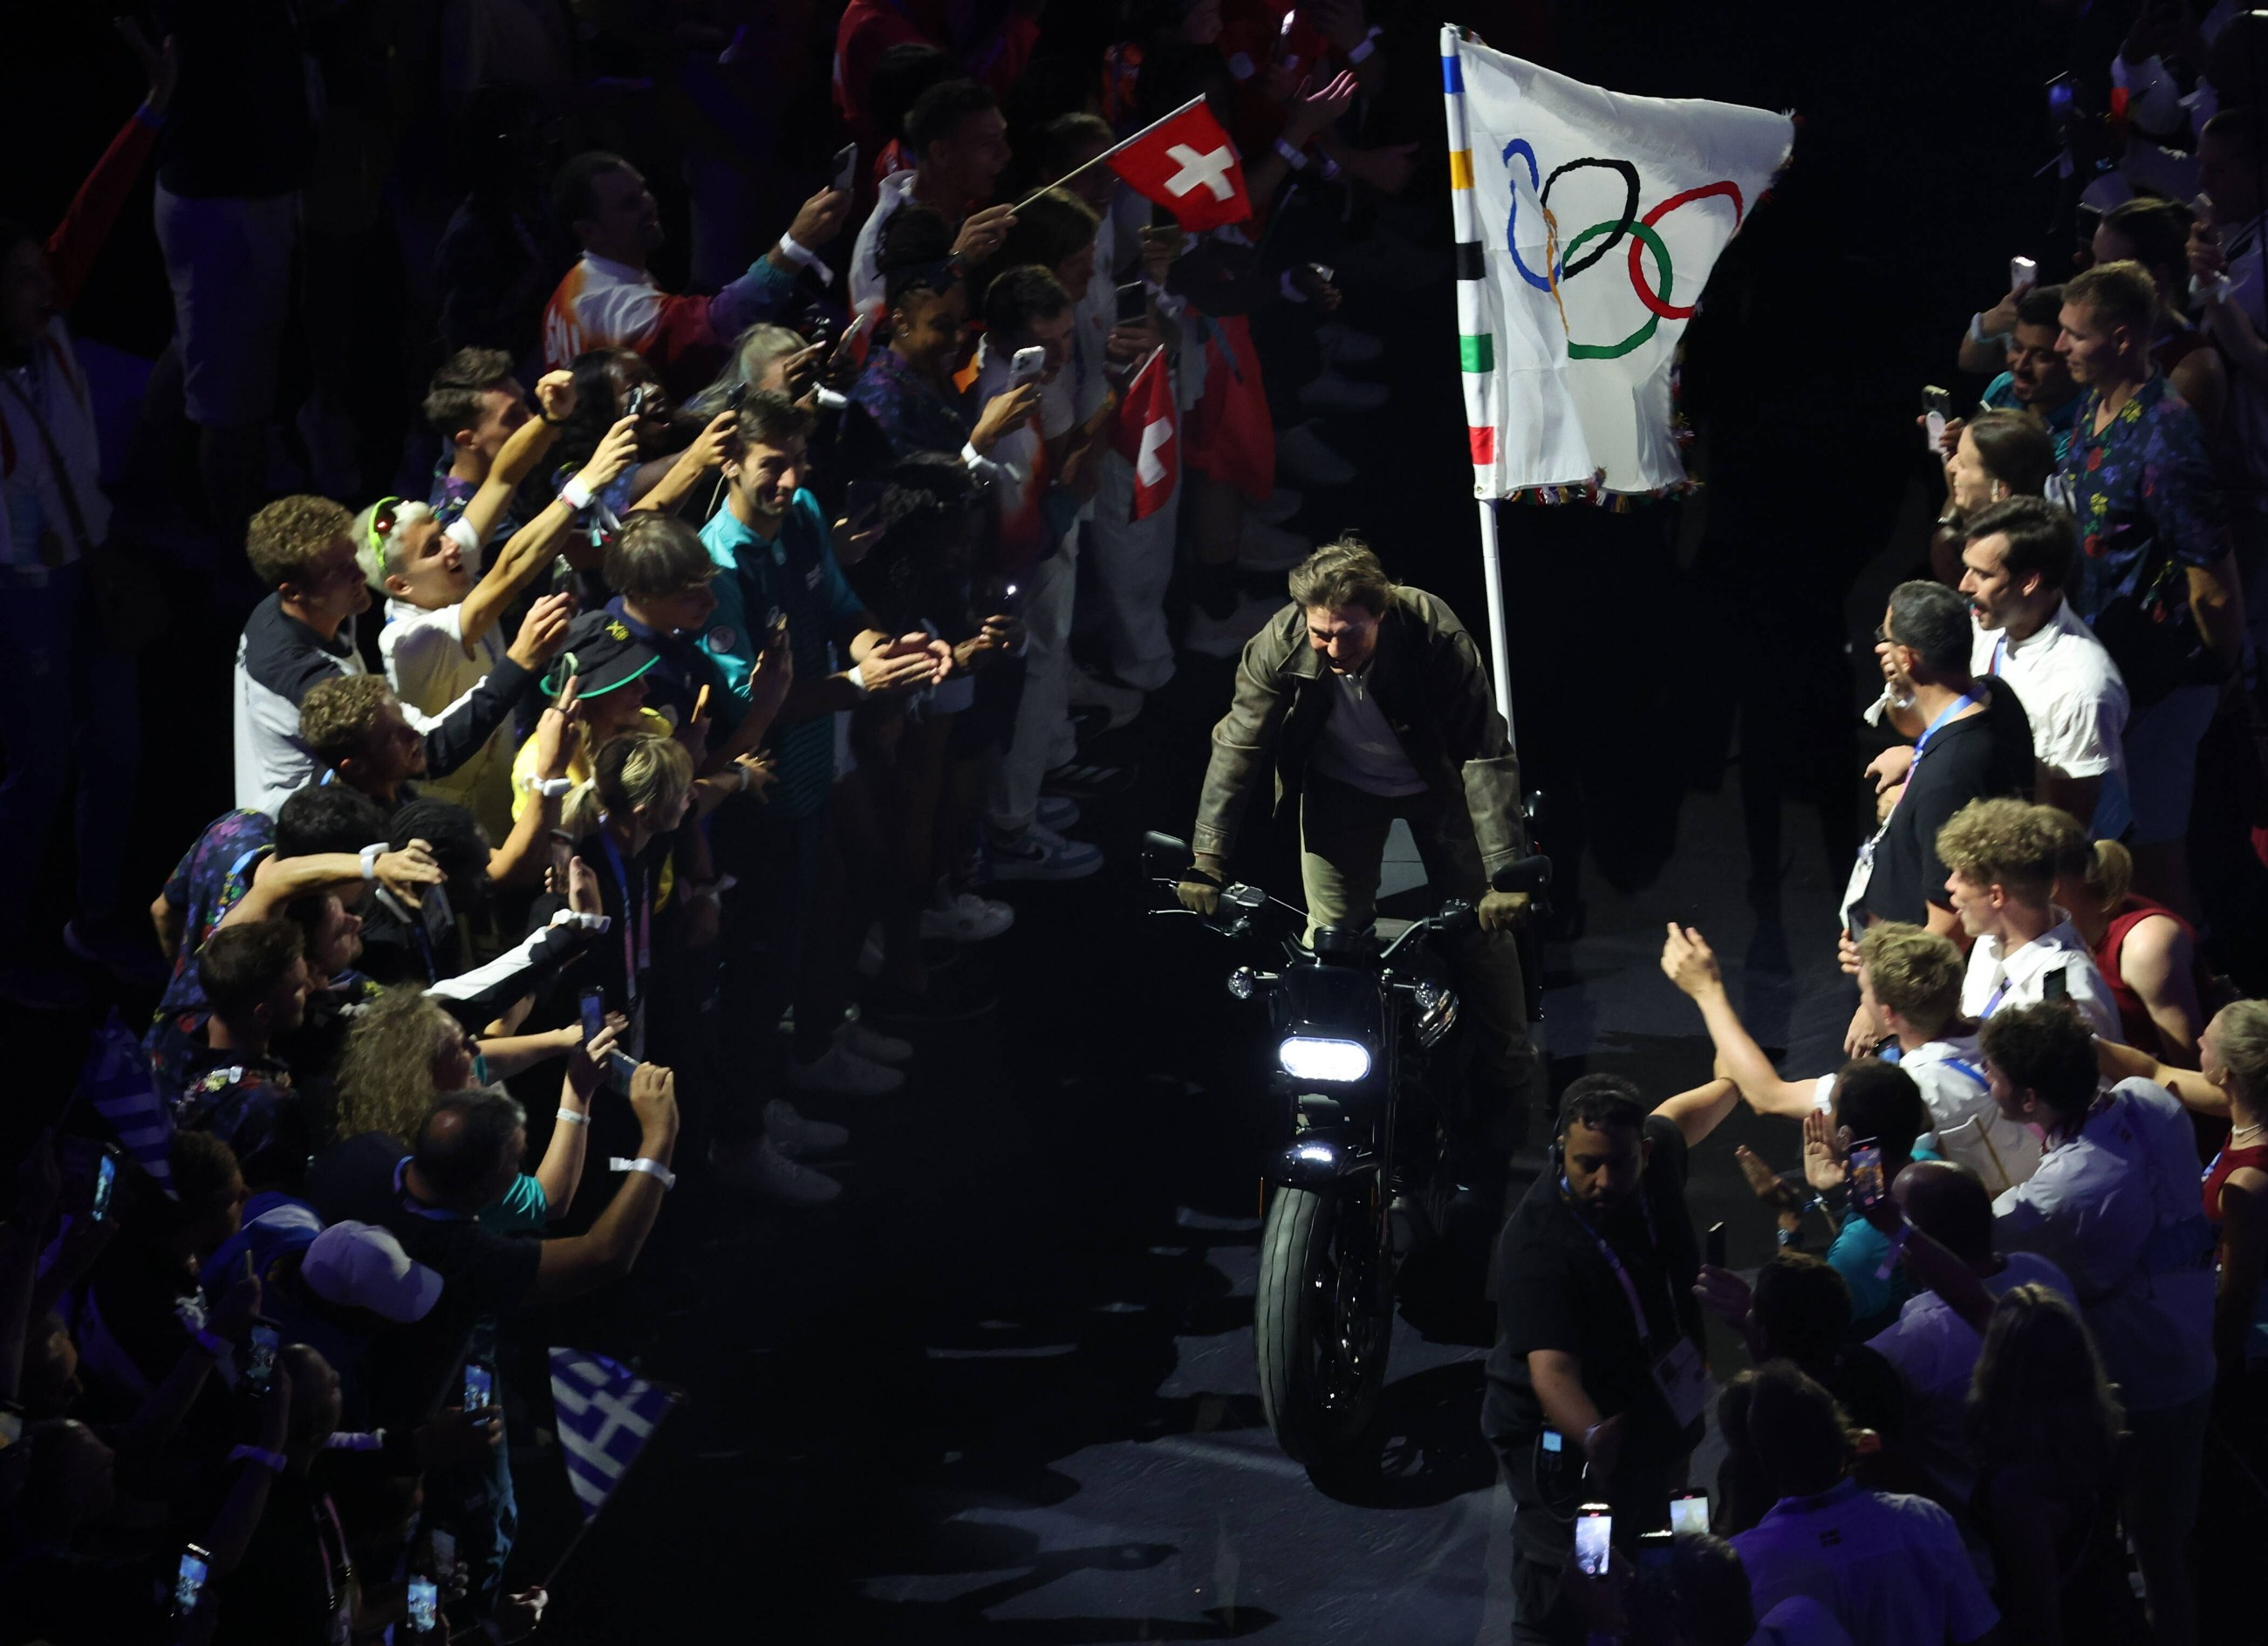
{"type": "Point", "coordinates": [636, 771]}
{"type": "Point", "coordinates": [2109, 872]}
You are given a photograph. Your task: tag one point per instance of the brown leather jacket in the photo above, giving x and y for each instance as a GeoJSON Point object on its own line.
{"type": "Point", "coordinates": [1426, 676]}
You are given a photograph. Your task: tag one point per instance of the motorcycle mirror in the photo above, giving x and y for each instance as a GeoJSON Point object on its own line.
{"type": "Point", "coordinates": [1164, 857]}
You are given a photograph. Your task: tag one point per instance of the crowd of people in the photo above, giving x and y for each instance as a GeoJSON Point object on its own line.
{"type": "Point", "coordinates": [731, 644]}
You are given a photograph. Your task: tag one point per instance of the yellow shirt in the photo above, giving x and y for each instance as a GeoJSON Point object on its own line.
{"type": "Point", "coordinates": [651, 722]}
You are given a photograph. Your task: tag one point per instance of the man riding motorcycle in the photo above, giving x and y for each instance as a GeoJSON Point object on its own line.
{"type": "Point", "coordinates": [1371, 700]}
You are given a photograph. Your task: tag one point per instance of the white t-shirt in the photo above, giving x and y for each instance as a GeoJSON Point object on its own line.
{"type": "Point", "coordinates": [2116, 1208]}
{"type": "Point", "coordinates": [1966, 1126]}
{"type": "Point", "coordinates": [2071, 692]}
{"type": "Point", "coordinates": [1890, 1568]}
{"type": "Point", "coordinates": [1935, 1352]}
{"type": "Point", "coordinates": [1357, 746]}
{"type": "Point", "coordinates": [1994, 984]}
{"type": "Point", "coordinates": [425, 662]}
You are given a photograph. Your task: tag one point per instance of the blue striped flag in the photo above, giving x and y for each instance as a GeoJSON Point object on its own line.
{"type": "Point", "coordinates": [116, 1078]}
{"type": "Point", "coordinates": [605, 1417]}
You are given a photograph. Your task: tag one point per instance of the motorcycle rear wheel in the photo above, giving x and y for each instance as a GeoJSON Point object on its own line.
{"type": "Point", "coordinates": [1323, 1323]}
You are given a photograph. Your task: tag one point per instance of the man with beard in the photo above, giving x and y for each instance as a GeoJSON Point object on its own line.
{"type": "Point", "coordinates": [1596, 1384]}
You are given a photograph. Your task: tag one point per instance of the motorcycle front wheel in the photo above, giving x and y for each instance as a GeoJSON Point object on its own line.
{"type": "Point", "coordinates": [1324, 1322]}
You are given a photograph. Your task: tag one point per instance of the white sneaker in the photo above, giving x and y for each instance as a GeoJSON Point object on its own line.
{"type": "Point", "coordinates": [1282, 504]}
{"type": "Point", "coordinates": [843, 1073]}
{"type": "Point", "coordinates": [1331, 393]}
{"type": "Point", "coordinates": [796, 1135]}
{"type": "Point", "coordinates": [760, 1167]}
{"type": "Point", "coordinates": [1040, 854]}
{"type": "Point", "coordinates": [1344, 346]}
{"type": "Point", "coordinates": [1082, 690]}
{"type": "Point", "coordinates": [1055, 812]}
{"type": "Point", "coordinates": [856, 1037]}
{"type": "Point", "coordinates": [1301, 452]}
{"type": "Point", "coordinates": [966, 918]}
{"type": "Point", "coordinates": [1266, 547]}
{"type": "Point", "coordinates": [1225, 636]}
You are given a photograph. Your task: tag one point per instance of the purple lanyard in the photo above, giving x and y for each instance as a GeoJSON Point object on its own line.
{"type": "Point", "coordinates": [1614, 1262]}
{"type": "Point", "coordinates": [638, 953]}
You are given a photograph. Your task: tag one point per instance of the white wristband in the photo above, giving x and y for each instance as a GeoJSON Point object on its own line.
{"type": "Point", "coordinates": [1292, 158]}
{"type": "Point", "coordinates": [803, 257]}
{"type": "Point", "coordinates": [576, 495]}
{"type": "Point", "coordinates": [1363, 53]}
{"type": "Point", "coordinates": [1977, 332]}
{"type": "Point", "coordinates": [370, 857]}
{"type": "Point", "coordinates": [549, 788]}
{"type": "Point", "coordinates": [857, 676]}
{"type": "Point", "coordinates": [574, 1117]}
{"type": "Point", "coordinates": [653, 1169]}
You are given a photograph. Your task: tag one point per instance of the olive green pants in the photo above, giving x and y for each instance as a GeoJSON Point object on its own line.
{"type": "Point", "coordinates": [1343, 834]}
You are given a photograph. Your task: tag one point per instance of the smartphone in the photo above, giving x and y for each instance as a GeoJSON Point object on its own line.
{"type": "Point", "coordinates": [1594, 1531]}
{"type": "Point", "coordinates": [1655, 1549]}
{"type": "Point", "coordinates": [620, 1067]}
{"type": "Point", "coordinates": [189, 1577]}
{"type": "Point", "coordinates": [2062, 97]}
{"type": "Point", "coordinates": [1133, 302]}
{"type": "Point", "coordinates": [260, 1354]}
{"type": "Point", "coordinates": [1688, 1511]}
{"type": "Point", "coordinates": [441, 1547]}
{"type": "Point", "coordinates": [1027, 366]}
{"type": "Point", "coordinates": [1866, 1175]}
{"type": "Point", "coordinates": [106, 1181]}
{"type": "Point", "coordinates": [1716, 1246]}
{"type": "Point", "coordinates": [1936, 411]}
{"type": "Point", "coordinates": [861, 323]}
{"type": "Point", "coordinates": [736, 397]}
{"type": "Point", "coordinates": [595, 1013]}
{"type": "Point", "coordinates": [1322, 272]}
{"type": "Point", "coordinates": [2022, 272]}
{"type": "Point", "coordinates": [846, 169]}
{"type": "Point", "coordinates": [641, 397]}
{"type": "Point", "coordinates": [425, 1605]}
{"type": "Point", "coordinates": [1554, 1441]}
{"type": "Point", "coordinates": [480, 1386]}
{"type": "Point", "coordinates": [89, 1171]}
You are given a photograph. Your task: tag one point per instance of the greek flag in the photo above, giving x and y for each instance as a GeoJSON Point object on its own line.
{"type": "Point", "coordinates": [116, 1078]}
{"type": "Point", "coordinates": [1587, 225]}
{"type": "Point", "coordinates": [605, 1417]}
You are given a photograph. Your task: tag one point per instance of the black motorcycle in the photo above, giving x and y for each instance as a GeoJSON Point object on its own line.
{"type": "Point", "coordinates": [1365, 1039]}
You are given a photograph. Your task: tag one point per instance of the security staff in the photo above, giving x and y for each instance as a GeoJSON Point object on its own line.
{"type": "Point", "coordinates": [1370, 698]}
{"type": "Point", "coordinates": [1596, 1384]}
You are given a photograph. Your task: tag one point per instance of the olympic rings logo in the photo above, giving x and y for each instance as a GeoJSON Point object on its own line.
{"type": "Point", "coordinates": [1639, 230]}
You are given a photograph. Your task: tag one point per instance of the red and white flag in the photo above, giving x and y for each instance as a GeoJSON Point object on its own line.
{"type": "Point", "coordinates": [1146, 435]}
{"type": "Point", "coordinates": [1187, 163]}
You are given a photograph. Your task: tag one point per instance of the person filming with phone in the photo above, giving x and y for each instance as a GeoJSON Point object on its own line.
{"type": "Point", "coordinates": [1597, 1384]}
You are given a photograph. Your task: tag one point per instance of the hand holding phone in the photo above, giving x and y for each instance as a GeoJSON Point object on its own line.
{"type": "Point", "coordinates": [1936, 411]}
{"type": "Point", "coordinates": [845, 175]}
{"type": "Point", "coordinates": [2022, 272]}
{"type": "Point", "coordinates": [1027, 366]}
{"type": "Point", "coordinates": [1595, 1529]}
{"type": "Point", "coordinates": [259, 1355]}
{"type": "Point", "coordinates": [424, 1605]}
{"type": "Point", "coordinates": [189, 1575]}
{"type": "Point", "coordinates": [1689, 1512]}
{"type": "Point", "coordinates": [594, 1009]}
{"type": "Point", "coordinates": [1716, 1246]}
{"type": "Point", "coordinates": [1866, 1185]}
{"type": "Point", "coordinates": [480, 1387]}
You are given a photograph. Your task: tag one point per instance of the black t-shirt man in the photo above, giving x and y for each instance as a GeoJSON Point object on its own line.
{"type": "Point", "coordinates": [1983, 757]}
{"type": "Point", "coordinates": [480, 1273]}
{"type": "Point", "coordinates": [1555, 1290]}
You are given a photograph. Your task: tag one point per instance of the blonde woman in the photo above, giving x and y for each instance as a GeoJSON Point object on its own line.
{"type": "Point", "coordinates": [2046, 1428]}
{"type": "Point", "coordinates": [623, 820]}
{"type": "Point", "coordinates": [405, 1050]}
{"type": "Point", "coordinates": [2147, 954]}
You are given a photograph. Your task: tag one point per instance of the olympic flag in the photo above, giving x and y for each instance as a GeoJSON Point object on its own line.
{"type": "Point", "coordinates": [1587, 225]}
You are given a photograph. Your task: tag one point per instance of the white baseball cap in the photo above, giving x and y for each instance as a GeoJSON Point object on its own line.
{"type": "Point", "coordinates": [361, 1266]}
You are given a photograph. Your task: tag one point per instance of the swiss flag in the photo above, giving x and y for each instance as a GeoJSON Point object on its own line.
{"type": "Point", "coordinates": [1146, 435]}
{"type": "Point", "coordinates": [1187, 163]}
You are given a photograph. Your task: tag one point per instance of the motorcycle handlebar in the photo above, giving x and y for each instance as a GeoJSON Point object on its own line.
{"type": "Point", "coordinates": [1532, 873]}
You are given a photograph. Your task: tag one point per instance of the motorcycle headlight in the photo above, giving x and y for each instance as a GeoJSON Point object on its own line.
{"type": "Point", "coordinates": [1305, 1057]}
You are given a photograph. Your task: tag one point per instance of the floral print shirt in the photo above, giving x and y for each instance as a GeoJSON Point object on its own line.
{"type": "Point", "coordinates": [2148, 507]}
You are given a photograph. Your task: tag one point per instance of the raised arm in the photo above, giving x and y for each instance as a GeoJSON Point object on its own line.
{"type": "Point", "coordinates": [1688, 961]}
{"type": "Point", "coordinates": [2127, 1063]}
{"type": "Point", "coordinates": [1696, 1114]}
{"type": "Point", "coordinates": [579, 1264]}
{"type": "Point", "coordinates": [530, 549]}
{"type": "Point", "coordinates": [282, 880]}
{"type": "Point", "coordinates": [562, 1167]}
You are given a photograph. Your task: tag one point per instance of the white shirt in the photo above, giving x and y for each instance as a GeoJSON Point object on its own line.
{"type": "Point", "coordinates": [1971, 1129]}
{"type": "Point", "coordinates": [1994, 983]}
{"type": "Point", "coordinates": [2071, 692]}
{"type": "Point", "coordinates": [1357, 746]}
{"type": "Point", "coordinates": [423, 653]}
{"type": "Point", "coordinates": [2117, 1209]}
{"type": "Point", "coordinates": [1890, 1566]}
{"type": "Point", "coordinates": [1935, 1352]}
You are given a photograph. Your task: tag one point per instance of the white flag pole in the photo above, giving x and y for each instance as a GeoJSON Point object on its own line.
{"type": "Point", "coordinates": [1470, 320]}
{"type": "Point", "coordinates": [1500, 640]}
